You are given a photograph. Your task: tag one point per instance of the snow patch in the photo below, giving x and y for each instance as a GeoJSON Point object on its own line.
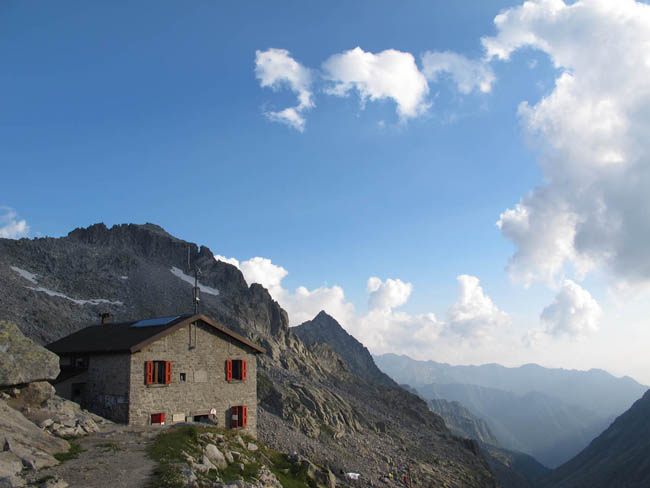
{"type": "Point", "coordinates": [190, 279]}
{"type": "Point", "coordinates": [31, 277]}
{"type": "Point", "coordinates": [92, 301]}
{"type": "Point", "coordinates": [124, 277]}
{"type": "Point", "coordinates": [25, 274]}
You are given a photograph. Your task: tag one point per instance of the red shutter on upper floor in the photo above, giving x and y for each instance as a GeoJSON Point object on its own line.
{"type": "Point", "coordinates": [243, 369]}
{"type": "Point", "coordinates": [228, 370]}
{"type": "Point", "coordinates": [244, 416]}
{"type": "Point", "coordinates": [148, 377]}
{"type": "Point", "coordinates": [168, 372]}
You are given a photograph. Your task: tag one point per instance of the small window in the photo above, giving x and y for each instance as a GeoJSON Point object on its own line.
{"type": "Point", "coordinates": [158, 372]}
{"type": "Point", "coordinates": [236, 369]}
{"type": "Point", "coordinates": [182, 378]}
{"type": "Point", "coordinates": [238, 416]}
{"type": "Point", "coordinates": [158, 418]}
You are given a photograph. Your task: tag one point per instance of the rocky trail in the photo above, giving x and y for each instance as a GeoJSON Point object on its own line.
{"type": "Point", "coordinates": [115, 456]}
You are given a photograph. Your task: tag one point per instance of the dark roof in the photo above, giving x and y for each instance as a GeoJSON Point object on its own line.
{"type": "Point", "coordinates": [125, 337]}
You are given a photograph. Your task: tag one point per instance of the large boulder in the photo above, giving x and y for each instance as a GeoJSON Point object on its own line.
{"type": "Point", "coordinates": [22, 360]}
{"type": "Point", "coordinates": [33, 446]}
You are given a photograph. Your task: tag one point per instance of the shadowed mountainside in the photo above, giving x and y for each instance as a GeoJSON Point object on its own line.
{"type": "Point", "coordinates": [619, 457]}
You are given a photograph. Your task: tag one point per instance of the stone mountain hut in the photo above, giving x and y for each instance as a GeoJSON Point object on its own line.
{"type": "Point", "coordinates": [161, 370]}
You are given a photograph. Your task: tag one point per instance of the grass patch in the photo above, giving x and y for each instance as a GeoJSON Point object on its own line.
{"type": "Point", "coordinates": [232, 472]}
{"type": "Point", "coordinates": [168, 447]}
{"type": "Point", "coordinates": [72, 453]}
{"type": "Point", "coordinates": [167, 450]}
{"type": "Point", "coordinates": [109, 446]}
{"type": "Point", "coordinates": [42, 480]}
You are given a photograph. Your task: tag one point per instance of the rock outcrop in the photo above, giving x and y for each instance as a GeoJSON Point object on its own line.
{"type": "Point", "coordinates": [22, 360]}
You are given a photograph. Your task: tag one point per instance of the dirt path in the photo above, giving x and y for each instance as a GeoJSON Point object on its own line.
{"type": "Point", "coordinates": [113, 457]}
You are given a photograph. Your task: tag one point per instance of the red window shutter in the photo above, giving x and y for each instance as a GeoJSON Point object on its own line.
{"type": "Point", "coordinates": [228, 370]}
{"type": "Point", "coordinates": [243, 369]}
{"type": "Point", "coordinates": [168, 372]}
{"type": "Point", "coordinates": [234, 418]}
{"type": "Point", "coordinates": [148, 378]}
{"type": "Point", "coordinates": [244, 416]}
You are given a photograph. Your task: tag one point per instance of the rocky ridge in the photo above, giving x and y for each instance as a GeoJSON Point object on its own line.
{"type": "Point", "coordinates": [315, 404]}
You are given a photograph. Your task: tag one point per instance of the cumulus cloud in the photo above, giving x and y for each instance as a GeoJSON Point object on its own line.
{"type": "Point", "coordinates": [302, 304]}
{"type": "Point", "coordinates": [390, 74]}
{"type": "Point", "coordinates": [591, 210]}
{"type": "Point", "coordinates": [11, 227]}
{"type": "Point", "coordinates": [473, 319]}
{"type": "Point", "coordinates": [474, 315]}
{"type": "Point", "coordinates": [574, 312]}
{"type": "Point", "coordinates": [275, 68]}
{"type": "Point", "coordinates": [387, 295]}
{"type": "Point", "coordinates": [469, 75]}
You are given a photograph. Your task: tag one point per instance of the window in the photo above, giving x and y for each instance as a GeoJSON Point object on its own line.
{"type": "Point", "coordinates": [235, 369]}
{"type": "Point", "coordinates": [158, 372]}
{"type": "Point", "coordinates": [158, 418]}
{"type": "Point", "coordinates": [238, 416]}
{"type": "Point", "coordinates": [182, 378]}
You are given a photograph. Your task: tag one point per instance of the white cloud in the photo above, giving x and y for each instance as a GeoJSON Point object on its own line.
{"type": "Point", "coordinates": [466, 73]}
{"type": "Point", "coordinates": [232, 261]}
{"type": "Point", "coordinates": [574, 312]}
{"type": "Point", "coordinates": [474, 315]}
{"type": "Point", "coordinates": [474, 320]}
{"type": "Point", "coordinates": [10, 226]}
{"type": "Point", "coordinates": [591, 210]}
{"type": "Point", "coordinates": [389, 74]}
{"type": "Point", "coordinates": [275, 68]}
{"type": "Point", "coordinates": [387, 295]}
{"type": "Point", "coordinates": [263, 271]}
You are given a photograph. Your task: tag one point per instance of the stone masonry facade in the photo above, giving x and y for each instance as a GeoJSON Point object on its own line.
{"type": "Point", "coordinates": [198, 352]}
{"type": "Point", "coordinates": [114, 385]}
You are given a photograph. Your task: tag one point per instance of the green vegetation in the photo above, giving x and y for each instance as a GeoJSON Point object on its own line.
{"type": "Point", "coordinates": [290, 475]}
{"type": "Point", "coordinates": [109, 446]}
{"type": "Point", "coordinates": [72, 453]}
{"type": "Point", "coordinates": [170, 447]}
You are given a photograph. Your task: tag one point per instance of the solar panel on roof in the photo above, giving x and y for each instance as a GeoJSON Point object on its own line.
{"type": "Point", "coordinates": [156, 321]}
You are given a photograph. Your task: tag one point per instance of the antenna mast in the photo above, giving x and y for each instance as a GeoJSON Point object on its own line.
{"type": "Point", "coordinates": [196, 289]}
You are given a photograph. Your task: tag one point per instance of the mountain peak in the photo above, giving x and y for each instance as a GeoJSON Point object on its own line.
{"type": "Point", "coordinates": [325, 329]}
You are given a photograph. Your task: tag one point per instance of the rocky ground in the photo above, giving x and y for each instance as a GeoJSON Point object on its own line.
{"type": "Point", "coordinates": [115, 456]}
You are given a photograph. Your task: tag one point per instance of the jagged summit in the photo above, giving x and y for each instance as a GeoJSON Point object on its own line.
{"type": "Point", "coordinates": [324, 329]}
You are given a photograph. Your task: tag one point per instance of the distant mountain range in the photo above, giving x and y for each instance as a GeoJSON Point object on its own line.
{"type": "Point", "coordinates": [595, 390]}
{"type": "Point", "coordinates": [529, 415]}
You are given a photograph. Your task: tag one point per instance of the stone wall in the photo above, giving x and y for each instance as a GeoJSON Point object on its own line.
{"type": "Point", "coordinates": [107, 389]}
{"type": "Point", "coordinates": [200, 353]}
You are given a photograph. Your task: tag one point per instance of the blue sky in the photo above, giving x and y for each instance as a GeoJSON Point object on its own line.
{"type": "Point", "coordinates": [154, 112]}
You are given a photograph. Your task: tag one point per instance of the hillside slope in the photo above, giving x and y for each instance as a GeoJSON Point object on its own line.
{"type": "Point", "coordinates": [618, 458]}
{"type": "Point", "coordinates": [310, 400]}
